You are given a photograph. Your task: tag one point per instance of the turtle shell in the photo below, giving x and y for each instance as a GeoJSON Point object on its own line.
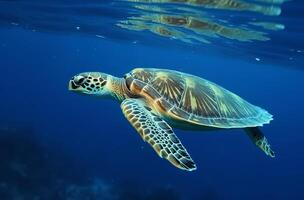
{"type": "Point", "coordinates": [195, 100]}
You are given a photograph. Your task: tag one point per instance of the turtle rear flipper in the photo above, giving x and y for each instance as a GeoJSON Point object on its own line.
{"type": "Point", "coordinates": [258, 138]}
{"type": "Point", "coordinates": [154, 130]}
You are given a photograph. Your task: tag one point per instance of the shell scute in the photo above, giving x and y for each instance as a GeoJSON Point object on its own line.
{"type": "Point", "coordinates": [151, 92]}
{"type": "Point", "coordinates": [199, 99]}
{"type": "Point", "coordinates": [169, 85]}
{"type": "Point", "coordinates": [163, 104]}
{"type": "Point", "coordinates": [142, 74]}
{"type": "Point", "coordinates": [180, 113]}
{"type": "Point", "coordinates": [138, 85]}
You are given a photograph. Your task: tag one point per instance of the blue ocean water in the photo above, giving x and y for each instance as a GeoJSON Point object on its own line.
{"type": "Point", "coordinates": [55, 144]}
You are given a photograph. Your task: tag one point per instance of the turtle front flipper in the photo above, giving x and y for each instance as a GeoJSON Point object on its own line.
{"type": "Point", "coordinates": [154, 130]}
{"type": "Point", "coordinates": [258, 138]}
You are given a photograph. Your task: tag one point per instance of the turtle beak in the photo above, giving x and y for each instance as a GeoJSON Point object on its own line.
{"type": "Point", "coordinates": [72, 85]}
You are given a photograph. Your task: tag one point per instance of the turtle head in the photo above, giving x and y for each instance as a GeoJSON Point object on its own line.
{"type": "Point", "coordinates": [90, 83]}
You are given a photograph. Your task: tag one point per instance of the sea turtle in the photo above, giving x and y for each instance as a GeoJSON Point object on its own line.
{"type": "Point", "coordinates": [153, 100]}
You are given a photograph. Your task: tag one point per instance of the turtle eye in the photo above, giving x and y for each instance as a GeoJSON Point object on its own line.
{"type": "Point", "coordinates": [79, 80]}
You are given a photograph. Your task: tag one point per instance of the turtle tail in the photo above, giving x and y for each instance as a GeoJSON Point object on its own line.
{"type": "Point", "coordinates": [258, 138]}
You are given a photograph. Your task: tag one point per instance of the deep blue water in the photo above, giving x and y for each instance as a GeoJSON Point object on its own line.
{"type": "Point", "coordinates": [55, 144]}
